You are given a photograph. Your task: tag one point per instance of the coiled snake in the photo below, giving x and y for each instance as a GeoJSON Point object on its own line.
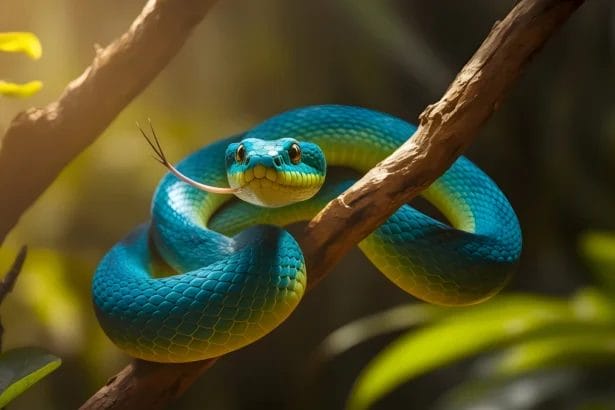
{"type": "Point", "coordinates": [238, 275]}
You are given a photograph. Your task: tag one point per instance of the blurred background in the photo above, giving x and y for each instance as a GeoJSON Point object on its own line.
{"type": "Point", "coordinates": [550, 147]}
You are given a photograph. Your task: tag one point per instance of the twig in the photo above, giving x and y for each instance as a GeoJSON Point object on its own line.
{"type": "Point", "coordinates": [8, 282]}
{"type": "Point", "coordinates": [446, 129]}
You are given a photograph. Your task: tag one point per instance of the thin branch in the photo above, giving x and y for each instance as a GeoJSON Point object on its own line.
{"type": "Point", "coordinates": [446, 129]}
{"type": "Point", "coordinates": [52, 136]}
{"type": "Point", "coordinates": [8, 282]}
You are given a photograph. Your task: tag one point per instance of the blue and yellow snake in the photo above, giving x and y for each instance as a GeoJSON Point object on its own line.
{"type": "Point", "coordinates": [210, 274]}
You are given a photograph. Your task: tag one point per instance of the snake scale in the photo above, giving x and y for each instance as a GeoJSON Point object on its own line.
{"type": "Point", "coordinates": [210, 273]}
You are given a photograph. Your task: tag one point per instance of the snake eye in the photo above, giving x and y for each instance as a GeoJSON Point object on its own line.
{"type": "Point", "coordinates": [294, 153]}
{"type": "Point", "coordinates": [240, 154]}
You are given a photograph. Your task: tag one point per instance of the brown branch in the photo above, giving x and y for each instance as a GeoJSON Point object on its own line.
{"type": "Point", "coordinates": [8, 282]}
{"type": "Point", "coordinates": [446, 129]}
{"type": "Point", "coordinates": [41, 141]}
{"type": "Point", "coordinates": [147, 385]}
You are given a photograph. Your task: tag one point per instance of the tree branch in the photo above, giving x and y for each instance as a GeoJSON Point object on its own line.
{"type": "Point", "coordinates": [147, 385]}
{"type": "Point", "coordinates": [446, 129]}
{"type": "Point", "coordinates": [52, 136]}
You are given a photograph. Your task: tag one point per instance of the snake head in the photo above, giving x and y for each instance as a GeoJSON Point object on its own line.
{"type": "Point", "coordinates": [275, 173]}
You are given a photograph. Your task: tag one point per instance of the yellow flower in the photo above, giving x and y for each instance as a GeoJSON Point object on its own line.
{"type": "Point", "coordinates": [19, 42]}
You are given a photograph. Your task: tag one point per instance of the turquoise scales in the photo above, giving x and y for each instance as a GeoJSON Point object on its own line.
{"type": "Point", "coordinates": [238, 279]}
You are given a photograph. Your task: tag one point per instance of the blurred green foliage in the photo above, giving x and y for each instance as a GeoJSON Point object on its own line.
{"type": "Point", "coordinates": [532, 334]}
{"type": "Point", "coordinates": [599, 251]}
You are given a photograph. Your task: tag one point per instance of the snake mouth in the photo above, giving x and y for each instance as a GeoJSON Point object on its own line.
{"type": "Point", "coordinates": [266, 176]}
{"type": "Point", "coordinates": [268, 187]}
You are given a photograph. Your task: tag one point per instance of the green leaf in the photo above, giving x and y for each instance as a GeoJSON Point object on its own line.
{"type": "Point", "coordinates": [21, 42]}
{"type": "Point", "coordinates": [469, 332]}
{"type": "Point", "coordinates": [569, 347]}
{"type": "Point", "coordinates": [20, 90]}
{"type": "Point", "coordinates": [21, 368]}
{"type": "Point", "coordinates": [365, 328]}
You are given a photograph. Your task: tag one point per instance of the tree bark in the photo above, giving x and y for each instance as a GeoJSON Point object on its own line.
{"type": "Point", "coordinates": [147, 385]}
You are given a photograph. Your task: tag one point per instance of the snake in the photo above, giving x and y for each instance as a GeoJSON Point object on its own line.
{"type": "Point", "coordinates": [214, 269]}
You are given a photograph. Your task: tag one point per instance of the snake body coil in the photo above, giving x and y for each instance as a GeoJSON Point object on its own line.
{"type": "Point", "coordinates": [237, 279]}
